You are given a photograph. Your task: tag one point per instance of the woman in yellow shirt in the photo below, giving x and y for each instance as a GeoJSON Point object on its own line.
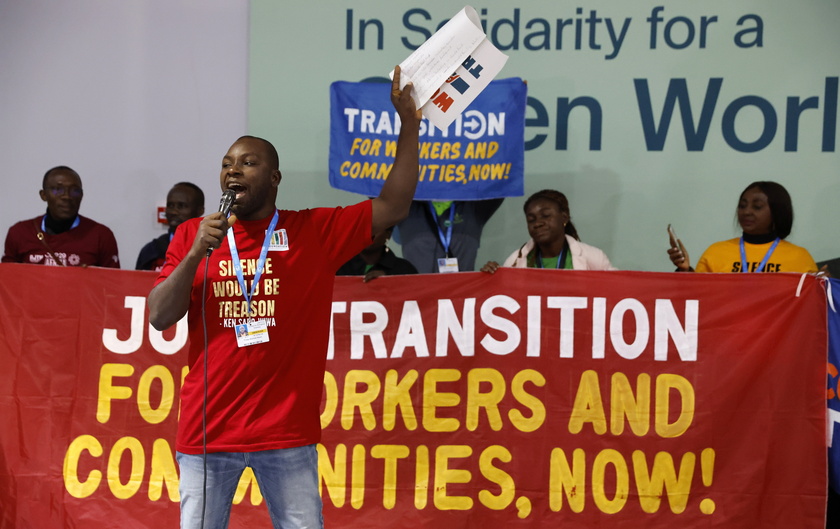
{"type": "Point", "coordinates": [765, 213]}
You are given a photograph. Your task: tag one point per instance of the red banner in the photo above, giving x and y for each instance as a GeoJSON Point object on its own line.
{"type": "Point", "coordinates": [520, 399]}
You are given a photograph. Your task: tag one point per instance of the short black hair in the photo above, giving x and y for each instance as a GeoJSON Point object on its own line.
{"type": "Point", "coordinates": [198, 192]}
{"type": "Point", "coordinates": [57, 168]}
{"type": "Point", "coordinates": [781, 206]}
{"type": "Point", "coordinates": [274, 158]}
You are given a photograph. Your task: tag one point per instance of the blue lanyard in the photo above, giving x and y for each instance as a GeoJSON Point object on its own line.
{"type": "Point", "coordinates": [237, 265]}
{"type": "Point", "coordinates": [445, 240]}
{"type": "Point", "coordinates": [763, 261]}
{"type": "Point", "coordinates": [44, 223]}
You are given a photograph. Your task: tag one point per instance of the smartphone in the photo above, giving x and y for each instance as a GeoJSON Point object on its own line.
{"type": "Point", "coordinates": [673, 236]}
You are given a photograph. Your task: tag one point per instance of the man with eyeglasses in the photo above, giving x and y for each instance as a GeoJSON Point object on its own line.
{"type": "Point", "coordinates": [61, 237]}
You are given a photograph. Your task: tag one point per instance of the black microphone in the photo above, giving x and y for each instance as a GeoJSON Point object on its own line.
{"type": "Point", "coordinates": [224, 208]}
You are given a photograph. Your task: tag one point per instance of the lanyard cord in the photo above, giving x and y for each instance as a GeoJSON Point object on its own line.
{"type": "Point", "coordinates": [763, 261]}
{"type": "Point", "coordinates": [445, 240]}
{"type": "Point", "coordinates": [237, 265]}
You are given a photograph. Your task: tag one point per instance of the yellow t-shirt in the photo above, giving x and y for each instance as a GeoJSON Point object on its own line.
{"type": "Point", "coordinates": [725, 256]}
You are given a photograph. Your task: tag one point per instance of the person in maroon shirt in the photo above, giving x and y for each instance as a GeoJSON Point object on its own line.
{"type": "Point", "coordinates": [61, 237]}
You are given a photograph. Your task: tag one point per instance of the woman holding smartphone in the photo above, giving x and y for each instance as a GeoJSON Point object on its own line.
{"type": "Point", "coordinates": [765, 214]}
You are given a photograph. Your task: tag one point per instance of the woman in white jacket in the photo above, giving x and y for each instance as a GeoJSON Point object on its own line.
{"type": "Point", "coordinates": [554, 240]}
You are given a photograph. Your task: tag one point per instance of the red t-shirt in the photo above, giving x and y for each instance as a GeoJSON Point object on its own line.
{"type": "Point", "coordinates": [88, 244]}
{"type": "Point", "coordinates": [265, 396]}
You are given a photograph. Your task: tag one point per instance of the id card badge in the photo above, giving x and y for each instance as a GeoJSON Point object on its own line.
{"type": "Point", "coordinates": [251, 333]}
{"type": "Point", "coordinates": [447, 265]}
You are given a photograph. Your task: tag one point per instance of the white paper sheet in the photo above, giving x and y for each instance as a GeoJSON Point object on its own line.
{"type": "Point", "coordinates": [441, 56]}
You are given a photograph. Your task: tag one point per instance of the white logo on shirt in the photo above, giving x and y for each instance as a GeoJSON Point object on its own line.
{"type": "Point", "coordinates": [279, 241]}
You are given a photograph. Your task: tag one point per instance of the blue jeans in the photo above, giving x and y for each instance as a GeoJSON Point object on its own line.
{"type": "Point", "coordinates": [288, 480]}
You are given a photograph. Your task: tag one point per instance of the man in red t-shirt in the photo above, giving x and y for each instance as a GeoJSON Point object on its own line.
{"type": "Point", "coordinates": [273, 272]}
{"type": "Point", "coordinates": [61, 237]}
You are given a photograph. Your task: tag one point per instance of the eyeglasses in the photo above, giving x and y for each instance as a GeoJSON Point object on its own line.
{"type": "Point", "coordinates": [74, 192]}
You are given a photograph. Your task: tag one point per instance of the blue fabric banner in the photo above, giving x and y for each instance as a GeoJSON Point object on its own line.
{"type": "Point", "coordinates": [833, 392]}
{"type": "Point", "coordinates": [481, 155]}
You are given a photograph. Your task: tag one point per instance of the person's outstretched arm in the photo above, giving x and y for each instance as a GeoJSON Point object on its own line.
{"type": "Point", "coordinates": [392, 204]}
